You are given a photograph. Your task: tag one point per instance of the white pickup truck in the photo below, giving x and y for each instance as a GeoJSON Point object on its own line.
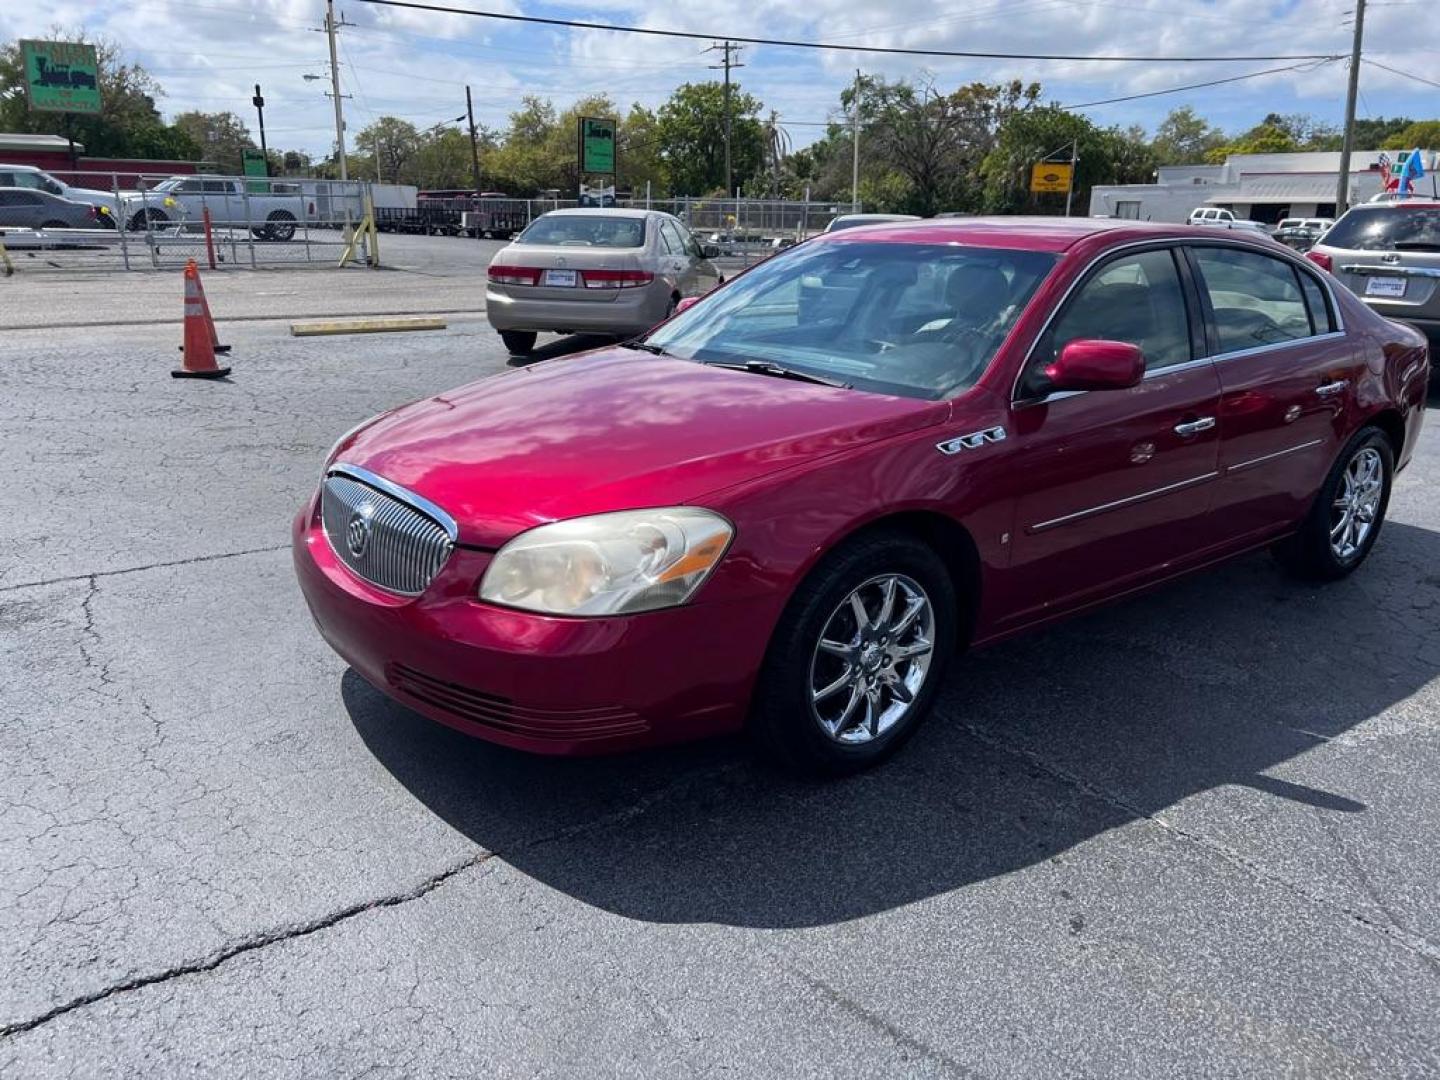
{"type": "Point", "coordinates": [1219, 218]}
{"type": "Point", "coordinates": [270, 213]}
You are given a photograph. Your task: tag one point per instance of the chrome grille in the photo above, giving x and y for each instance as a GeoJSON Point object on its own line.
{"type": "Point", "coordinates": [387, 535]}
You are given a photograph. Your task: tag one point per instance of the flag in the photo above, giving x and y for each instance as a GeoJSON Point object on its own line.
{"type": "Point", "coordinates": [1412, 170]}
{"type": "Point", "coordinates": [1386, 182]}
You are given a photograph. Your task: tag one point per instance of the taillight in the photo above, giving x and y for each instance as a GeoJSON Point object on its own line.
{"type": "Point", "coordinates": [514, 275]}
{"type": "Point", "coordinates": [616, 279]}
{"type": "Point", "coordinates": [1320, 259]}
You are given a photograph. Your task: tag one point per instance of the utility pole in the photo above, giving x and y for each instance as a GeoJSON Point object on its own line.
{"type": "Point", "coordinates": [1342, 190]}
{"type": "Point", "coordinates": [1074, 161]}
{"type": "Point", "coordinates": [727, 48]}
{"type": "Point", "coordinates": [330, 29]}
{"type": "Point", "coordinates": [474, 143]}
{"type": "Point", "coordinates": [855, 147]}
{"type": "Point", "coordinates": [259, 102]}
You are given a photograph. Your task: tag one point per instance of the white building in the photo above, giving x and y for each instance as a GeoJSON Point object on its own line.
{"type": "Point", "coordinates": [1261, 187]}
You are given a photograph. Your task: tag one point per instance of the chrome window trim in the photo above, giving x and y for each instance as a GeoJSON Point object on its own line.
{"type": "Point", "coordinates": [1391, 270]}
{"type": "Point", "coordinates": [1255, 350]}
{"type": "Point", "coordinates": [1242, 465]}
{"type": "Point", "coordinates": [1303, 265]}
{"type": "Point", "coordinates": [1041, 526]}
{"type": "Point", "coordinates": [395, 491]}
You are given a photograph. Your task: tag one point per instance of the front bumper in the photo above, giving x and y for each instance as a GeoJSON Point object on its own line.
{"type": "Point", "coordinates": [627, 311]}
{"type": "Point", "coordinates": [533, 682]}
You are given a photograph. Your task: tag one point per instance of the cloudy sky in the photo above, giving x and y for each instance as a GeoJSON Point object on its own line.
{"type": "Point", "coordinates": [208, 53]}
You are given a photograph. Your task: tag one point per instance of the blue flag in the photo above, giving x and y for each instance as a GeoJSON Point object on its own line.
{"type": "Point", "coordinates": [1412, 170]}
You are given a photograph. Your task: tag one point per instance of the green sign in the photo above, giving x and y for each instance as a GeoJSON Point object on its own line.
{"type": "Point", "coordinates": [597, 145]}
{"type": "Point", "coordinates": [253, 162]}
{"type": "Point", "coordinates": [61, 76]}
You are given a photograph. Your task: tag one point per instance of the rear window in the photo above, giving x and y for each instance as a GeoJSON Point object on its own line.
{"type": "Point", "coordinates": [1387, 228]}
{"type": "Point", "coordinates": [585, 230]}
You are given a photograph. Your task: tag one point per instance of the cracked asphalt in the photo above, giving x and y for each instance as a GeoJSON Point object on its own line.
{"type": "Point", "coordinates": [1191, 834]}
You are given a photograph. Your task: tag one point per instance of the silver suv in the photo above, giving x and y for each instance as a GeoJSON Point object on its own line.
{"type": "Point", "coordinates": [1389, 256]}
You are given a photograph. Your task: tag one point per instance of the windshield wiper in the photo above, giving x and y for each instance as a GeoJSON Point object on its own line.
{"type": "Point", "coordinates": [644, 346]}
{"type": "Point", "coordinates": [769, 367]}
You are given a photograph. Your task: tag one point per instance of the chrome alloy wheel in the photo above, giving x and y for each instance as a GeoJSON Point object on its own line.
{"type": "Point", "coordinates": [1353, 514]}
{"type": "Point", "coordinates": [872, 659]}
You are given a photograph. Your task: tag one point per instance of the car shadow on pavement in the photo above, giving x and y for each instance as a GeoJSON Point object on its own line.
{"type": "Point", "coordinates": [565, 346]}
{"type": "Point", "coordinates": [1037, 746]}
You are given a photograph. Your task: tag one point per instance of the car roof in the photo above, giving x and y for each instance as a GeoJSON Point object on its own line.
{"type": "Point", "coordinates": [601, 211]}
{"type": "Point", "coordinates": [20, 168]}
{"type": "Point", "coordinates": [1020, 233]}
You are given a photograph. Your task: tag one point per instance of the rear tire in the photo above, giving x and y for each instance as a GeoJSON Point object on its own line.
{"type": "Point", "coordinates": [1344, 522]}
{"type": "Point", "coordinates": [280, 226]}
{"type": "Point", "coordinates": [518, 342]}
{"type": "Point", "coordinates": [836, 708]}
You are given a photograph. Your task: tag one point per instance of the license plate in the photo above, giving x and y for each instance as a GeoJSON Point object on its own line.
{"type": "Point", "coordinates": [564, 278]}
{"type": "Point", "coordinates": [1385, 286]}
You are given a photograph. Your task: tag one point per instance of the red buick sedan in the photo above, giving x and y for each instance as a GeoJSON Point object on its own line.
{"type": "Point", "coordinates": [787, 508]}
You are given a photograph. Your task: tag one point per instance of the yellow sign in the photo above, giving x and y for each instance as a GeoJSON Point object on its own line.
{"type": "Point", "coordinates": [1049, 178]}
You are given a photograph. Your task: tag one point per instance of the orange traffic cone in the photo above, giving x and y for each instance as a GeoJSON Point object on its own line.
{"type": "Point", "coordinates": [199, 345]}
{"type": "Point", "coordinates": [214, 336]}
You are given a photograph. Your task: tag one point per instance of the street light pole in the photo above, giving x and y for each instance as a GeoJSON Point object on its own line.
{"type": "Point", "coordinates": [727, 49]}
{"type": "Point", "coordinates": [1342, 190]}
{"type": "Point", "coordinates": [259, 102]}
{"type": "Point", "coordinates": [474, 143]}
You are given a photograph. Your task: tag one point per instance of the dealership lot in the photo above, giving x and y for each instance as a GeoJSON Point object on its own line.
{"type": "Point", "coordinates": [1191, 833]}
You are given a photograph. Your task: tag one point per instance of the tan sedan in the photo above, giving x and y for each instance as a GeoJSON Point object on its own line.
{"type": "Point", "coordinates": [602, 271]}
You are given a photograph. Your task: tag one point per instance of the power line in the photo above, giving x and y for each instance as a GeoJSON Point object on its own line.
{"type": "Point", "coordinates": [1199, 85]}
{"type": "Point", "coordinates": [1403, 74]}
{"type": "Point", "coordinates": [577, 24]}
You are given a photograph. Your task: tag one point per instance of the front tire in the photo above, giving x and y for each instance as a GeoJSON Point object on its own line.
{"type": "Point", "coordinates": [857, 658]}
{"type": "Point", "coordinates": [518, 342]}
{"type": "Point", "coordinates": [1344, 522]}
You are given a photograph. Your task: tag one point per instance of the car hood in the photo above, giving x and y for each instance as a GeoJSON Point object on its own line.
{"type": "Point", "coordinates": [612, 430]}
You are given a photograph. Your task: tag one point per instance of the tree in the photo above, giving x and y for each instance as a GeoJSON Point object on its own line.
{"type": "Point", "coordinates": [691, 128]}
{"type": "Point", "coordinates": [221, 137]}
{"type": "Point", "coordinates": [1424, 134]}
{"type": "Point", "coordinates": [638, 152]}
{"type": "Point", "coordinates": [1185, 138]}
{"type": "Point", "coordinates": [1373, 132]}
{"type": "Point", "coordinates": [392, 144]}
{"type": "Point", "coordinates": [128, 125]}
{"type": "Point", "coordinates": [935, 142]}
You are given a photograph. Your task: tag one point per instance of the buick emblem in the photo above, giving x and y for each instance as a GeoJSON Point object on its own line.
{"type": "Point", "coordinates": [357, 531]}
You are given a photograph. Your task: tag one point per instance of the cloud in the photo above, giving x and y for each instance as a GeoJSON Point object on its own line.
{"type": "Point", "coordinates": [209, 54]}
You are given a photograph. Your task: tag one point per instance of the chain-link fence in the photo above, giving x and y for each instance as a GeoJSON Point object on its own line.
{"type": "Point", "coordinates": [160, 222]}
{"type": "Point", "coordinates": [139, 221]}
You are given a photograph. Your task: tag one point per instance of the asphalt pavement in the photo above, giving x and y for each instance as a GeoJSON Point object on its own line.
{"type": "Point", "coordinates": [1192, 834]}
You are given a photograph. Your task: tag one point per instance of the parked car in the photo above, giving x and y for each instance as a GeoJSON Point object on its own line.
{"type": "Point", "coordinates": [851, 221]}
{"type": "Point", "coordinates": [1301, 233]}
{"type": "Point", "coordinates": [23, 208]}
{"type": "Point", "coordinates": [270, 213]}
{"type": "Point", "coordinates": [27, 176]}
{"type": "Point", "coordinates": [597, 271]}
{"type": "Point", "coordinates": [1218, 218]}
{"type": "Point", "coordinates": [789, 506]}
{"type": "Point", "coordinates": [1389, 256]}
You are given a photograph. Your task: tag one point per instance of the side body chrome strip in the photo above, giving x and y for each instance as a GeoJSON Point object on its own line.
{"type": "Point", "coordinates": [1239, 465]}
{"type": "Point", "coordinates": [1041, 526]}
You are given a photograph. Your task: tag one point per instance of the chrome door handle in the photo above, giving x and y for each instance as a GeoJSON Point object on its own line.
{"type": "Point", "coordinates": [1329, 388]}
{"type": "Point", "coordinates": [1194, 427]}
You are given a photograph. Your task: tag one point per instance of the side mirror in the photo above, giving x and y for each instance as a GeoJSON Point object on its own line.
{"type": "Point", "coordinates": [710, 251]}
{"type": "Point", "coordinates": [1096, 365]}
{"type": "Point", "coordinates": [686, 303]}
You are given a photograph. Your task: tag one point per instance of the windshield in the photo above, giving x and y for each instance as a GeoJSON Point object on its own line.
{"type": "Point", "coordinates": [918, 320]}
{"type": "Point", "coordinates": [585, 230]}
{"type": "Point", "coordinates": [1386, 228]}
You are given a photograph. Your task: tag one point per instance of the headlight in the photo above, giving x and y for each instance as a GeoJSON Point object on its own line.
{"type": "Point", "coordinates": [609, 564]}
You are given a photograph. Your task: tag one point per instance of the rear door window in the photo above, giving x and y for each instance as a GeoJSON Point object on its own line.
{"type": "Point", "coordinates": [1387, 228]}
{"type": "Point", "coordinates": [1256, 299]}
{"type": "Point", "coordinates": [671, 239]}
{"type": "Point", "coordinates": [1321, 319]}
